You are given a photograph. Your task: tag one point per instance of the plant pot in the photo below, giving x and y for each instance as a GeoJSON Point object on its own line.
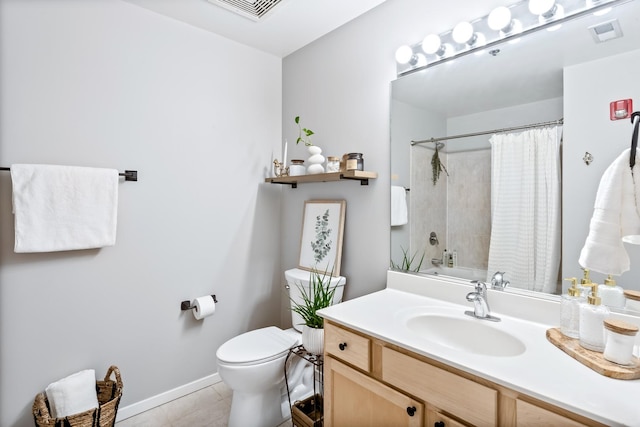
{"type": "Point", "coordinates": [313, 339]}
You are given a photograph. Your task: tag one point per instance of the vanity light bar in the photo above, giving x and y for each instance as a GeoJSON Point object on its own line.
{"type": "Point", "coordinates": [521, 22]}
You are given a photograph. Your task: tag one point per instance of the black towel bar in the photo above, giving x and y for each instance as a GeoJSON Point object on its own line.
{"type": "Point", "coordinates": [128, 175]}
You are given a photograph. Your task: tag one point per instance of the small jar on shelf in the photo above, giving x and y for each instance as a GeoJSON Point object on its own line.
{"type": "Point", "coordinates": [354, 162]}
{"type": "Point", "coordinates": [333, 164]}
{"type": "Point", "coordinates": [297, 168]}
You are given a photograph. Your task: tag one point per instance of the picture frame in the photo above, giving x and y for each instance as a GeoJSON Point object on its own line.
{"type": "Point", "coordinates": [321, 237]}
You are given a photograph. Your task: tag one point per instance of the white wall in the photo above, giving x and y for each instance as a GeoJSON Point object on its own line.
{"type": "Point", "coordinates": [107, 84]}
{"type": "Point", "coordinates": [589, 88]}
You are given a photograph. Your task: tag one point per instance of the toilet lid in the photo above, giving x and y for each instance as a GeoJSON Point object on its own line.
{"type": "Point", "coordinates": [257, 345]}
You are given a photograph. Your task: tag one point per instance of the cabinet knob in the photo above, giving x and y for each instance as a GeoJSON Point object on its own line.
{"type": "Point", "coordinates": [411, 410]}
{"type": "Point", "coordinates": [438, 424]}
{"type": "Point", "coordinates": [342, 346]}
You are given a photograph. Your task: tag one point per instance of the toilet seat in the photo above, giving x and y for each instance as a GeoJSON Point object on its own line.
{"type": "Point", "coordinates": [257, 346]}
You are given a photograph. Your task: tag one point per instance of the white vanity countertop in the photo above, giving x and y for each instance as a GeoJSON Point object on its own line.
{"type": "Point", "coordinates": [542, 370]}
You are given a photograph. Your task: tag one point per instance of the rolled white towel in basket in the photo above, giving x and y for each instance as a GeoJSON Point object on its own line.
{"type": "Point", "coordinates": [73, 394]}
{"type": "Point", "coordinates": [60, 208]}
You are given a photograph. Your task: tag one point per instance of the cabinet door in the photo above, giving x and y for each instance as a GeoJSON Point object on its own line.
{"type": "Point", "coordinates": [531, 415]}
{"type": "Point", "coordinates": [353, 399]}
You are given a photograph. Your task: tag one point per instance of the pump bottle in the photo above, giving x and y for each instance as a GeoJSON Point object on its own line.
{"type": "Point", "coordinates": [570, 310]}
{"type": "Point", "coordinates": [611, 294]}
{"type": "Point", "coordinates": [585, 283]}
{"type": "Point", "coordinates": [592, 315]}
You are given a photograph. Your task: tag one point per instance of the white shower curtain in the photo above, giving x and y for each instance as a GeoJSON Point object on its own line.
{"type": "Point", "coordinates": [525, 208]}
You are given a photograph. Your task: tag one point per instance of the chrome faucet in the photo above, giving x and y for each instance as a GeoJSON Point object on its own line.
{"type": "Point", "coordinates": [480, 304]}
{"type": "Point", "coordinates": [498, 282]}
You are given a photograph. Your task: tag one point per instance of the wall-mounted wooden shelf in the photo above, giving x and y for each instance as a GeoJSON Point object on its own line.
{"type": "Point", "coordinates": [293, 181]}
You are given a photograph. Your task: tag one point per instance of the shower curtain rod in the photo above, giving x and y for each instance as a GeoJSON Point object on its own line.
{"type": "Point", "coordinates": [488, 132]}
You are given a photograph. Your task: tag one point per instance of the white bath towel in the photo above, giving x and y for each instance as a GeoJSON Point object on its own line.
{"type": "Point", "coordinates": [73, 395]}
{"type": "Point", "coordinates": [398, 205]}
{"type": "Point", "coordinates": [59, 208]}
{"type": "Point", "coordinates": [615, 219]}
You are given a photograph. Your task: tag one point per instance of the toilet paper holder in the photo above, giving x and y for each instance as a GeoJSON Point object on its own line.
{"type": "Point", "coordinates": [186, 305]}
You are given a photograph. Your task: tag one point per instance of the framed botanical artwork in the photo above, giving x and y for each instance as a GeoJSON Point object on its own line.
{"type": "Point", "coordinates": [321, 238]}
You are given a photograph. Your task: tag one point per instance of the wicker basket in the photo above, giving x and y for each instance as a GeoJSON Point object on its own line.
{"type": "Point", "coordinates": [109, 394]}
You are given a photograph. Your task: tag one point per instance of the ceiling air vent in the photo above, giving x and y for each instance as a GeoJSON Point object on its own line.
{"type": "Point", "coordinates": [606, 31]}
{"type": "Point", "coordinates": [252, 9]}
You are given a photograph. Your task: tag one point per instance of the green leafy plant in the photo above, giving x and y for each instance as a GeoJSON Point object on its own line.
{"type": "Point", "coordinates": [437, 167]}
{"type": "Point", "coordinates": [319, 295]}
{"type": "Point", "coordinates": [304, 134]}
{"type": "Point", "coordinates": [407, 262]}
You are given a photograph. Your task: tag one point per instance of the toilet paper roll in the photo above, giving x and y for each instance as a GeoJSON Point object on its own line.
{"type": "Point", "coordinates": [203, 307]}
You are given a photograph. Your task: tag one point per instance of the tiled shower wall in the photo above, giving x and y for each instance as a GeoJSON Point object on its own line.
{"type": "Point", "coordinates": [457, 207]}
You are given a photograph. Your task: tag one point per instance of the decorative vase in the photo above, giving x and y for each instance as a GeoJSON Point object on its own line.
{"type": "Point", "coordinates": [313, 339]}
{"type": "Point", "coordinates": [316, 160]}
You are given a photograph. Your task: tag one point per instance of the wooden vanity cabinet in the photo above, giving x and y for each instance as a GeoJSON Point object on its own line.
{"type": "Point", "coordinates": [369, 382]}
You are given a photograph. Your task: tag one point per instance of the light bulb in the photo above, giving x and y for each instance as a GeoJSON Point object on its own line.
{"type": "Point", "coordinates": [499, 18]}
{"type": "Point", "coordinates": [431, 44]}
{"type": "Point", "coordinates": [404, 54]}
{"type": "Point", "coordinates": [540, 7]}
{"type": "Point", "coordinates": [462, 32]}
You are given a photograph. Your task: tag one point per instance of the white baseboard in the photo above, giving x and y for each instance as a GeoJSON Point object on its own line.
{"type": "Point", "coordinates": [162, 398]}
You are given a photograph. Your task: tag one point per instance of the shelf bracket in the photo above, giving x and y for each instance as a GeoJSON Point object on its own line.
{"type": "Point", "coordinates": [363, 181]}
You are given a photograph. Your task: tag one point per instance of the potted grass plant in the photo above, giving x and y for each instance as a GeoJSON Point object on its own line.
{"type": "Point", "coordinates": [317, 296]}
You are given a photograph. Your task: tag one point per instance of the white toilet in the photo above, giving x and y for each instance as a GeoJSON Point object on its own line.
{"type": "Point", "coordinates": [252, 365]}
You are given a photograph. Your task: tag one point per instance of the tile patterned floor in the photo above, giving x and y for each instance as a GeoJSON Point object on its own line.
{"type": "Point", "coordinates": [208, 407]}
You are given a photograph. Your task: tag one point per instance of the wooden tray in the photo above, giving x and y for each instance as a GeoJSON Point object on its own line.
{"type": "Point", "coordinates": [593, 359]}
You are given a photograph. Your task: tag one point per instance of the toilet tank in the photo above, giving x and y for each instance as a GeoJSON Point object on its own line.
{"type": "Point", "coordinates": [297, 278]}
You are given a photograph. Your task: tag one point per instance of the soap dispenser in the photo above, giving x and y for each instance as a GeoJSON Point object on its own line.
{"type": "Point", "coordinates": [592, 315]}
{"type": "Point", "coordinates": [611, 294]}
{"type": "Point", "coordinates": [570, 310]}
{"type": "Point", "coordinates": [585, 283]}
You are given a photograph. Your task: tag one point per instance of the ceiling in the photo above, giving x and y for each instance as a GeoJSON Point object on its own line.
{"type": "Point", "coordinates": [291, 24]}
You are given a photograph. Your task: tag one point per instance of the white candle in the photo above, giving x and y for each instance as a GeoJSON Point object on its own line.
{"type": "Point", "coordinates": [284, 156]}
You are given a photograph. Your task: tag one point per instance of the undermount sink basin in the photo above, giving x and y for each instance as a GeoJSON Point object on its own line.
{"type": "Point", "coordinates": [466, 334]}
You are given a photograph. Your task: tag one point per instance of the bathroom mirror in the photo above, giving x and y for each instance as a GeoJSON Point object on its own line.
{"type": "Point", "coordinates": [517, 84]}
